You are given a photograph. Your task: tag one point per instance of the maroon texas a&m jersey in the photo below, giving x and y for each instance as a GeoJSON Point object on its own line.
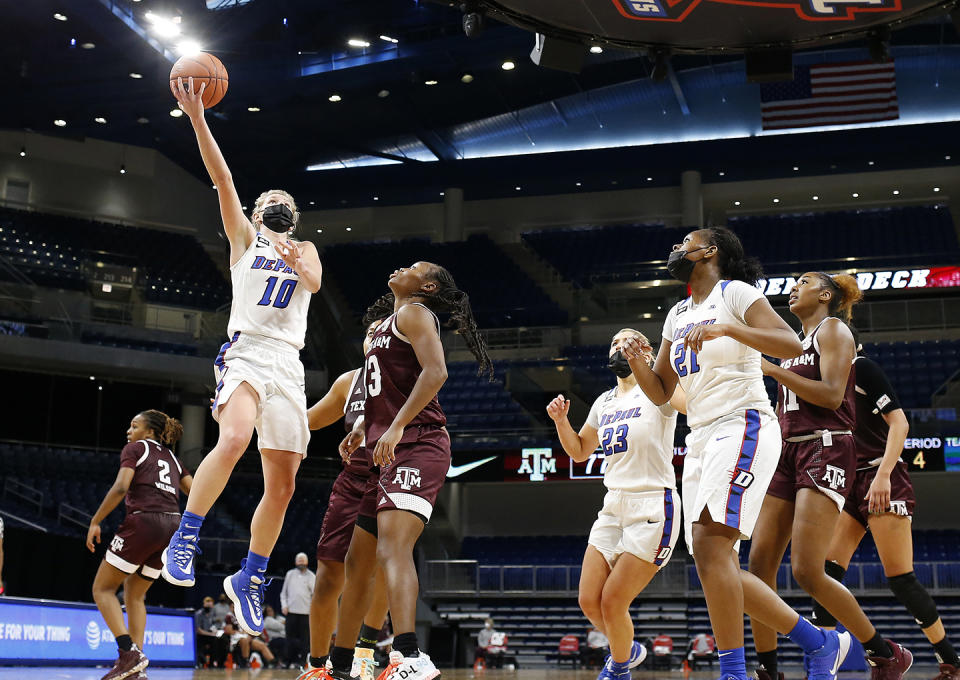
{"type": "Point", "coordinates": [359, 462]}
{"type": "Point", "coordinates": [156, 477]}
{"type": "Point", "coordinates": [391, 371]}
{"type": "Point", "coordinates": [798, 417]}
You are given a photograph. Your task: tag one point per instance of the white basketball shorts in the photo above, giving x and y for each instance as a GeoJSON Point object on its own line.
{"type": "Point", "coordinates": [273, 369]}
{"type": "Point", "coordinates": [645, 524]}
{"type": "Point", "coordinates": [728, 466]}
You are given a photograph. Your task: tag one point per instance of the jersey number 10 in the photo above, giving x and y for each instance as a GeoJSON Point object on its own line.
{"type": "Point", "coordinates": [284, 293]}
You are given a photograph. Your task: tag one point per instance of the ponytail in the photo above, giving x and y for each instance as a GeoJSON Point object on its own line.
{"type": "Point", "coordinates": [448, 298]}
{"type": "Point", "coordinates": [734, 264]}
{"type": "Point", "coordinates": [381, 308]}
{"type": "Point", "coordinates": [845, 293]}
{"type": "Point", "coordinates": [168, 430]}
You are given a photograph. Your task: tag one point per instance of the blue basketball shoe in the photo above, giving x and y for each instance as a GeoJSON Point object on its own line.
{"type": "Point", "coordinates": [179, 557]}
{"type": "Point", "coordinates": [824, 664]}
{"type": "Point", "coordinates": [246, 592]}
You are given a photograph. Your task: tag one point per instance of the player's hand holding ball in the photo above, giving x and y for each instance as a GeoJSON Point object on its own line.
{"type": "Point", "coordinates": [558, 408]}
{"type": "Point", "coordinates": [189, 100]}
{"type": "Point", "coordinates": [383, 453]}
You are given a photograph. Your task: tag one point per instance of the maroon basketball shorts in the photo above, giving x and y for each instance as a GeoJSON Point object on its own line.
{"type": "Point", "coordinates": [902, 498]}
{"type": "Point", "coordinates": [416, 475]}
{"type": "Point", "coordinates": [342, 508]}
{"type": "Point", "coordinates": [813, 465]}
{"type": "Point", "coordinates": [140, 541]}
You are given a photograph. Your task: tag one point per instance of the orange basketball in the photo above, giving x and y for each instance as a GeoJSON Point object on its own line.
{"type": "Point", "coordinates": [205, 68]}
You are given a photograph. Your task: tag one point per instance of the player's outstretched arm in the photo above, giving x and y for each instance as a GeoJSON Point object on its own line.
{"type": "Point", "coordinates": [579, 446]}
{"type": "Point", "coordinates": [836, 362]}
{"type": "Point", "coordinates": [329, 409]}
{"type": "Point", "coordinates": [659, 382]}
{"type": "Point", "coordinates": [111, 500]}
{"type": "Point", "coordinates": [237, 227]}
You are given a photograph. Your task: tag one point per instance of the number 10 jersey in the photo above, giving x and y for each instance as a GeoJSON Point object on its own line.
{"type": "Point", "coordinates": [724, 377]}
{"type": "Point", "coordinates": [268, 299]}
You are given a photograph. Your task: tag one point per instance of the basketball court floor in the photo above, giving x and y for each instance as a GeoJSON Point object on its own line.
{"type": "Point", "coordinates": [551, 673]}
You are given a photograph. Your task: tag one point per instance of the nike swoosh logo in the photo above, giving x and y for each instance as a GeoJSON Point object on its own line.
{"type": "Point", "coordinates": [257, 620]}
{"type": "Point", "coordinates": [457, 470]}
{"type": "Point", "coordinates": [836, 665]}
{"type": "Point", "coordinates": [724, 653]}
{"type": "Point", "coordinates": [719, 438]}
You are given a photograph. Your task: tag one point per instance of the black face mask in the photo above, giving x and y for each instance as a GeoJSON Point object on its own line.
{"type": "Point", "coordinates": [619, 365]}
{"type": "Point", "coordinates": [278, 218]}
{"type": "Point", "coordinates": [679, 266]}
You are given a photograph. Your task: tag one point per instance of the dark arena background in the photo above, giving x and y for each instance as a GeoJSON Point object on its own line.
{"type": "Point", "coordinates": [549, 154]}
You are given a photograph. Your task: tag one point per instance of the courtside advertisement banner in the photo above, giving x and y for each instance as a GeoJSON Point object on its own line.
{"type": "Point", "coordinates": [44, 632]}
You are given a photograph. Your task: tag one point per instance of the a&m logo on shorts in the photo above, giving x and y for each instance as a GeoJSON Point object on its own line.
{"type": "Point", "coordinates": [806, 10]}
{"type": "Point", "coordinates": [835, 477]}
{"type": "Point", "coordinates": [407, 478]}
{"type": "Point", "coordinates": [899, 508]}
{"type": "Point", "coordinates": [116, 545]}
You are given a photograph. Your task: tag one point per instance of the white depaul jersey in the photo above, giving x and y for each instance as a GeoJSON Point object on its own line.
{"type": "Point", "coordinates": [725, 376]}
{"type": "Point", "coordinates": [636, 437]}
{"type": "Point", "coordinates": [268, 299]}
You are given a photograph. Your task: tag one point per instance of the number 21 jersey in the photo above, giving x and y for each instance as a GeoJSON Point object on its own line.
{"type": "Point", "coordinates": [725, 376]}
{"type": "Point", "coordinates": [268, 299]}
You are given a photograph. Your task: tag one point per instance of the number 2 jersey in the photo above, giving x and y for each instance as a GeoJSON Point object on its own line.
{"type": "Point", "coordinates": [391, 370]}
{"type": "Point", "coordinates": [636, 437]}
{"type": "Point", "coordinates": [268, 299]}
{"type": "Point", "coordinates": [725, 376]}
{"type": "Point", "coordinates": [156, 477]}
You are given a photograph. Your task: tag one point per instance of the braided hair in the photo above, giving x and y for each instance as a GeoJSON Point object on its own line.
{"type": "Point", "coordinates": [734, 263]}
{"type": "Point", "coordinates": [168, 430]}
{"type": "Point", "coordinates": [446, 298]}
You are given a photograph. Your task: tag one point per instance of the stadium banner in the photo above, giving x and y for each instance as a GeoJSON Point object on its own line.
{"type": "Point", "coordinates": [49, 632]}
{"type": "Point", "coordinates": [891, 279]}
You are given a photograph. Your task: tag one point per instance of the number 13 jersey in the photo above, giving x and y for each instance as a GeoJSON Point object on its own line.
{"type": "Point", "coordinates": [725, 376]}
{"type": "Point", "coordinates": [636, 438]}
{"type": "Point", "coordinates": [268, 299]}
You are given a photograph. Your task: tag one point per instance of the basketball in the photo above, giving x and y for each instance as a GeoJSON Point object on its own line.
{"type": "Point", "coordinates": [205, 68]}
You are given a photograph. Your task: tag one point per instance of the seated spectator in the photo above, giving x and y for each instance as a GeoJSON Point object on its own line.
{"type": "Point", "coordinates": [701, 648]}
{"type": "Point", "coordinates": [496, 651]}
{"type": "Point", "coordinates": [242, 645]}
{"type": "Point", "coordinates": [483, 641]}
{"type": "Point", "coordinates": [221, 609]}
{"type": "Point", "coordinates": [275, 633]}
{"type": "Point", "coordinates": [662, 652]}
{"type": "Point", "coordinates": [597, 649]}
{"type": "Point", "coordinates": [211, 648]}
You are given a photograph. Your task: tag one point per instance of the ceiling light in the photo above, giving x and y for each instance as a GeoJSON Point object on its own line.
{"type": "Point", "coordinates": [721, 173]}
{"type": "Point", "coordinates": [946, 158]}
{"type": "Point", "coordinates": [60, 17]}
{"type": "Point", "coordinates": [335, 98]}
{"type": "Point", "coordinates": [855, 194]}
{"type": "Point", "coordinates": [319, 231]}
{"type": "Point", "coordinates": [736, 202]}
{"type": "Point", "coordinates": [430, 82]}
{"type": "Point", "coordinates": [578, 183]}
{"type": "Point", "coordinates": [59, 122]}
{"type": "Point", "coordinates": [508, 65]}
{"type": "Point", "coordinates": [649, 179]}
{"type": "Point", "coordinates": [357, 42]}
{"type": "Point", "coordinates": [816, 198]}
{"type": "Point", "coordinates": [143, 120]}
{"type": "Point", "coordinates": [383, 94]}
{"type": "Point", "coordinates": [123, 169]}
{"type": "Point", "coordinates": [189, 48]}
{"type": "Point", "coordinates": [135, 75]}
{"type": "Point", "coordinates": [101, 120]}
{"type": "Point", "coordinates": [776, 200]}
{"type": "Point", "coordinates": [349, 228]}
{"type": "Point", "coordinates": [441, 193]}
{"type": "Point", "coordinates": [165, 27]}
{"type": "Point", "coordinates": [869, 162]}
{"type": "Point", "coordinates": [73, 42]}
{"type": "Point", "coordinates": [596, 49]}
{"type": "Point", "coordinates": [517, 188]}
{"type": "Point", "coordinates": [23, 151]}
{"type": "Point", "coordinates": [896, 192]}
{"type": "Point", "coordinates": [936, 188]}
{"type": "Point", "coordinates": [88, 45]}
{"type": "Point", "coordinates": [467, 78]}
{"type": "Point", "coordinates": [795, 168]}
{"type": "Point", "coordinates": [376, 198]}
{"type": "Point", "coordinates": [389, 39]}
{"type": "Point", "coordinates": [253, 109]}
{"type": "Point", "coordinates": [176, 113]}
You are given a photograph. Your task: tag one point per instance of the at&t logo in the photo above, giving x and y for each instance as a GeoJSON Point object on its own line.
{"type": "Point", "coordinates": [93, 635]}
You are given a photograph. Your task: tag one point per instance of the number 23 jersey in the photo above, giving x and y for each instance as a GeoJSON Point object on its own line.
{"type": "Point", "coordinates": [268, 299]}
{"type": "Point", "coordinates": [636, 438]}
{"type": "Point", "coordinates": [725, 376]}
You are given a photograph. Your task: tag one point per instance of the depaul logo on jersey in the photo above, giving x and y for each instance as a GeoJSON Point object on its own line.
{"type": "Point", "coordinates": [806, 10]}
{"type": "Point", "coordinates": [260, 262]}
{"type": "Point", "coordinates": [682, 332]}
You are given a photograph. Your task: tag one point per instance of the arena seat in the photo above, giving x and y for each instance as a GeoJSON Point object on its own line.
{"type": "Point", "coordinates": [501, 294]}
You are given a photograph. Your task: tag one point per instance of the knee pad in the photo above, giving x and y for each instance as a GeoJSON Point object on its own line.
{"type": "Point", "coordinates": [820, 614]}
{"type": "Point", "coordinates": [915, 598]}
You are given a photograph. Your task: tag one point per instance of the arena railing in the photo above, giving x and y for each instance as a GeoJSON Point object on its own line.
{"type": "Point", "coordinates": [71, 514]}
{"type": "Point", "coordinates": [23, 492]}
{"type": "Point", "coordinates": [452, 578]}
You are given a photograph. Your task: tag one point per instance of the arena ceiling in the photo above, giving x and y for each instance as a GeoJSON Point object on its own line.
{"type": "Point", "coordinates": [408, 113]}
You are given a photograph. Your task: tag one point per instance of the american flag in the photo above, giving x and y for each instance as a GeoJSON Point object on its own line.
{"type": "Point", "coordinates": [831, 94]}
